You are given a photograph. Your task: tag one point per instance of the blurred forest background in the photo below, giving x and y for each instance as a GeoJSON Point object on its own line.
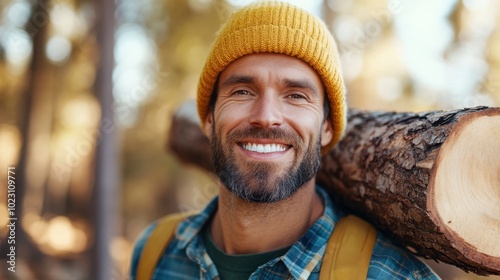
{"type": "Point", "coordinates": [88, 87]}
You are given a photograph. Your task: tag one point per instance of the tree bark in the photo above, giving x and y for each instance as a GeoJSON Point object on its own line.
{"type": "Point", "coordinates": [429, 180]}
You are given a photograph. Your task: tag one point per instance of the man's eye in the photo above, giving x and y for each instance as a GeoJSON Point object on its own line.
{"type": "Point", "coordinates": [241, 92]}
{"type": "Point", "coordinates": [296, 96]}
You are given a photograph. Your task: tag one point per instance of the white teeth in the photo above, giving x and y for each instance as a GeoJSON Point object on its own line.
{"type": "Point", "coordinates": [267, 148]}
{"type": "Point", "coordinates": [264, 148]}
{"type": "Point", "coordinates": [260, 148]}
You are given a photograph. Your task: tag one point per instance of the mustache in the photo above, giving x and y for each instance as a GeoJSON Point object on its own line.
{"type": "Point", "coordinates": [280, 134]}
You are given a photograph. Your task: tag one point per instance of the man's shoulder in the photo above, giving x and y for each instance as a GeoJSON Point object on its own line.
{"type": "Point", "coordinates": [167, 227]}
{"type": "Point", "coordinates": [392, 262]}
{"type": "Point", "coordinates": [138, 248]}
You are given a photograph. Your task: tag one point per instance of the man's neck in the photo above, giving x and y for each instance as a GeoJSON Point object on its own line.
{"type": "Point", "coordinates": [240, 227]}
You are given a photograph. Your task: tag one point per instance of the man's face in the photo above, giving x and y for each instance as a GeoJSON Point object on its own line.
{"type": "Point", "coordinates": [267, 127]}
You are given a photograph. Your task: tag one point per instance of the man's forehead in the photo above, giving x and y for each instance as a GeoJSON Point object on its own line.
{"type": "Point", "coordinates": [248, 68]}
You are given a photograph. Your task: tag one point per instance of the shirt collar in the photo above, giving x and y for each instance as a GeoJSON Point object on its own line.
{"type": "Point", "coordinates": [304, 256]}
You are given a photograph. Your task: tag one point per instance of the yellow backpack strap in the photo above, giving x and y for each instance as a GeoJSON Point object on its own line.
{"type": "Point", "coordinates": [157, 243]}
{"type": "Point", "coordinates": [349, 250]}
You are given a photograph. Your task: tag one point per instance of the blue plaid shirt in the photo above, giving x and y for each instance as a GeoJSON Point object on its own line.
{"type": "Point", "coordinates": [186, 256]}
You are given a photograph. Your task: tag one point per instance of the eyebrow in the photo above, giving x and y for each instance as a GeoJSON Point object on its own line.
{"type": "Point", "coordinates": [302, 84]}
{"type": "Point", "coordinates": [238, 79]}
{"type": "Point", "coordinates": [290, 83]}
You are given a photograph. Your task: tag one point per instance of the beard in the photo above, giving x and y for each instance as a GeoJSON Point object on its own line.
{"type": "Point", "coordinates": [264, 182]}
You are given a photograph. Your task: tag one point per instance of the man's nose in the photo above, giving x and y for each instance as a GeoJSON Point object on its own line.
{"type": "Point", "coordinates": [267, 111]}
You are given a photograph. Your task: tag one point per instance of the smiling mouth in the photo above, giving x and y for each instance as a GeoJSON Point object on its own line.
{"type": "Point", "coordinates": [264, 148]}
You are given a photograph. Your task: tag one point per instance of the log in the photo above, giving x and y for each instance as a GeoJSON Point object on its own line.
{"type": "Point", "coordinates": [186, 140]}
{"type": "Point", "coordinates": [430, 180]}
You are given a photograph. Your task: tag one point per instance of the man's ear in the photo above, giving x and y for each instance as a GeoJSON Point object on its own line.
{"type": "Point", "coordinates": [326, 133]}
{"type": "Point", "coordinates": [208, 124]}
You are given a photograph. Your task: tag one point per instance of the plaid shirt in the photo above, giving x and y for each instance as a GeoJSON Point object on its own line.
{"type": "Point", "coordinates": [186, 257]}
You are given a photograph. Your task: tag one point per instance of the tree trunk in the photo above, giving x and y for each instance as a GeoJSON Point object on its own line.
{"type": "Point", "coordinates": [430, 180]}
{"type": "Point", "coordinates": [30, 122]}
{"type": "Point", "coordinates": [105, 192]}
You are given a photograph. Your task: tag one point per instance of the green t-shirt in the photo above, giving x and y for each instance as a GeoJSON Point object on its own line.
{"type": "Point", "coordinates": [235, 267]}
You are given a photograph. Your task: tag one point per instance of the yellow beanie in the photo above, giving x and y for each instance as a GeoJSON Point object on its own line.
{"type": "Point", "coordinates": [277, 27]}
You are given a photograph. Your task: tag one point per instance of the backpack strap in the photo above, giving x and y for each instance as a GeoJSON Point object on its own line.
{"type": "Point", "coordinates": [157, 243]}
{"type": "Point", "coordinates": [349, 250]}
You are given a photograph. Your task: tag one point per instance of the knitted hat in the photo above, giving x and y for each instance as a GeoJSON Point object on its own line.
{"type": "Point", "coordinates": [277, 27]}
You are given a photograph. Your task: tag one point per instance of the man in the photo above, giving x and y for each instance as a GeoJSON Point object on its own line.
{"type": "Point", "coordinates": [272, 101]}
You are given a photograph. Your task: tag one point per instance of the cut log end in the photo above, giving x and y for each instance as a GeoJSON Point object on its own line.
{"type": "Point", "coordinates": [465, 190]}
